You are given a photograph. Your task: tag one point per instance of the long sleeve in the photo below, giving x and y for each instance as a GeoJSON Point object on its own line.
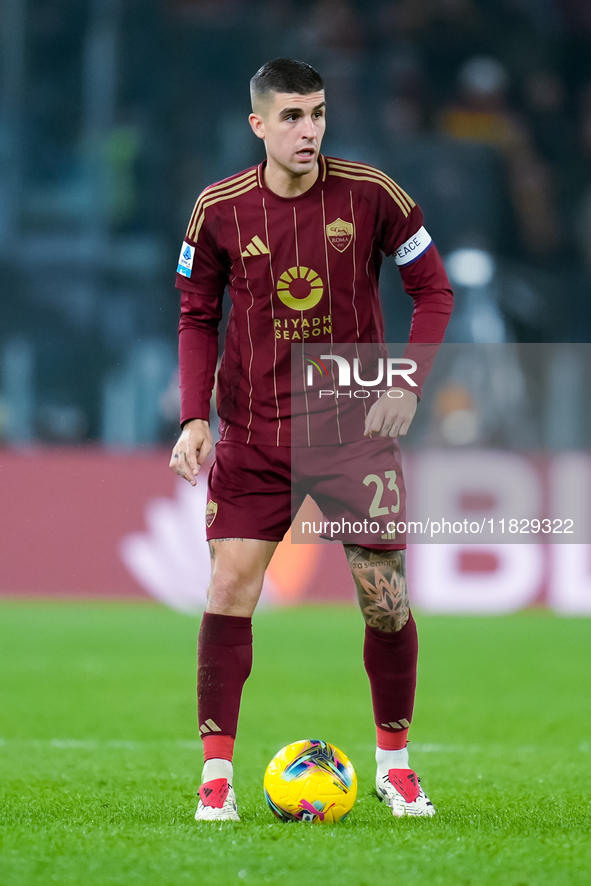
{"type": "Point", "coordinates": [202, 275]}
{"type": "Point", "coordinates": [401, 233]}
{"type": "Point", "coordinates": [426, 281]}
{"type": "Point", "coordinates": [198, 353]}
{"type": "Point", "coordinates": [424, 278]}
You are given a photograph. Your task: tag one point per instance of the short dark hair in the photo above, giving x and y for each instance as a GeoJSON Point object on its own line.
{"type": "Point", "coordinates": [285, 75]}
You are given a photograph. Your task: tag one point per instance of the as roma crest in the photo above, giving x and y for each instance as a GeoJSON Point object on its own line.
{"type": "Point", "coordinates": [210, 512]}
{"type": "Point", "coordinates": [340, 234]}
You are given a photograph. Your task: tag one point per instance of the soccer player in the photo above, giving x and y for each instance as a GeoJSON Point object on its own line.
{"type": "Point", "coordinates": [298, 241]}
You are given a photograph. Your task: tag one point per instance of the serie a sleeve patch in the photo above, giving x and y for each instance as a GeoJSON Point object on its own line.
{"type": "Point", "coordinates": [413, 248]}
{"type": "Point", "coordinates": [185, 265]}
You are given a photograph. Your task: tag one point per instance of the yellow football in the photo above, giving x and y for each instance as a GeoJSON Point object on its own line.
{"type": "Point", "coordinates": [310, 780]}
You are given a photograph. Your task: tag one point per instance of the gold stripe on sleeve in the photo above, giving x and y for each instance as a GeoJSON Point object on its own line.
{"type": "Point", "coordinates": [364, 167]}
{"type": "Point", "coordinates": [367, 178]}
{"type": "Point", "coordinates": [360, 168]}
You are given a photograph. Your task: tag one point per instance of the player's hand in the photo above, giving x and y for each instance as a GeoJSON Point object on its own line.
{"type": "Point", "coordinates": [191, 450]}
{"type": "Point", "coordinates": [391, 416]}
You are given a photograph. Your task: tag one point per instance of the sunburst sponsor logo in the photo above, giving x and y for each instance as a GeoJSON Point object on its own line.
{"type": "Point", "coordinates": [300, 288]}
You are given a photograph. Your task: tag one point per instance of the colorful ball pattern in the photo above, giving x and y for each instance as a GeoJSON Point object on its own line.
{"type": "Point", "coordinates": [310, 780]}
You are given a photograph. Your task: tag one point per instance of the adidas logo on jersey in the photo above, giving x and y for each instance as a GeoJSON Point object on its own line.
{"type": "Point", "coordinates": [255, 247]}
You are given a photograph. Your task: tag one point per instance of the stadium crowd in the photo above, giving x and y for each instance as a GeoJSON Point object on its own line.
{"type": "Point", "coordinates": [480, 109]}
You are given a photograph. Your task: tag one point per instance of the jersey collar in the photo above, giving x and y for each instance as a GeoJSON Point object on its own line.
{"type": "Point", "coordinates": [317, 184]}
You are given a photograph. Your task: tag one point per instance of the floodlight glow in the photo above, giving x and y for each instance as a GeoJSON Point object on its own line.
{"type": "Point", "coordinates": [470, 267]}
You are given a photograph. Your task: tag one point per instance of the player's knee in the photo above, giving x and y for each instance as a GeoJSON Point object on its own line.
{"type": "Point", "coordinates": [232, 590]}
{"type": "Point", "coordinates": [236, 578]}
{"type": "Point", "coordinates": [221, 603]}
{"type": "Point", "coordinates": [233, 593]}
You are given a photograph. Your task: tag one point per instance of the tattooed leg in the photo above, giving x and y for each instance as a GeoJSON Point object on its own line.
{"type": "Point", "coordinates": [380, 579]}
{"type": "Point", "coordinates": [390, 649]}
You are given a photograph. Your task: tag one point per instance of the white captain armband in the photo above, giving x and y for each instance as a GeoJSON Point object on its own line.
{"type": "Point", "coordinates": [413, 248]}
{"type": "Point", "coordinates": [185, 265]}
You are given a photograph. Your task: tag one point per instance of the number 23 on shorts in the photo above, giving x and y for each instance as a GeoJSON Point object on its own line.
{"type": "Point", "coordinates": [376, 508]}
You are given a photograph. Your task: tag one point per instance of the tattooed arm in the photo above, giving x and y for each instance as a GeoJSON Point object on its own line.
{"type": "Point", "coordinates": [380, 579]}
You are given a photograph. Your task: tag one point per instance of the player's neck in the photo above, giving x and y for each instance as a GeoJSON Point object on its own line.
{"type": "Point", "coordinates": [284, 183]}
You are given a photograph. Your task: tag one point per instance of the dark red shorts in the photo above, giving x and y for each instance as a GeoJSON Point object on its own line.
{"type": "Point", "coordinates": [256, 492]}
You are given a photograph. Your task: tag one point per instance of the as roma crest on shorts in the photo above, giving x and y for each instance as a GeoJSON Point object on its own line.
{"type": "Point", "coordinates": [340, 234]}
{"type": "Point", "coordinates": [210, 512]}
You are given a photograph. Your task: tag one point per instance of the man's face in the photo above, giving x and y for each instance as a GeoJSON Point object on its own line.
{"type": "Point", "coordinates": [292, 126]}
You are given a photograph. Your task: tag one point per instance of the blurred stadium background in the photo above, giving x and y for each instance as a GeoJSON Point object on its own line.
{"type": "Point", "coordinates": [114, 114]}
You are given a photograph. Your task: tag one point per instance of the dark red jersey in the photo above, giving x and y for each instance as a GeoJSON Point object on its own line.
{"type": "Point", "coordinates": [298, 270]}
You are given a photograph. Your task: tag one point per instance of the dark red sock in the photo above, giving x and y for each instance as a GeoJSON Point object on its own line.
{"type": "Point", "coordinates": [224, 660]}
{"type": "Point", "coordinates": [391, 663]}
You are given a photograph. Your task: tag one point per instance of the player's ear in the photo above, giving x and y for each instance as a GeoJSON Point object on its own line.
{"type": "Point", "coordinates": [257, 125]}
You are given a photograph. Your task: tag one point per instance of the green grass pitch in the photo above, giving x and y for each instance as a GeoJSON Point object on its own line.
{"type": "Point", "coordinates": [99, 762]}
